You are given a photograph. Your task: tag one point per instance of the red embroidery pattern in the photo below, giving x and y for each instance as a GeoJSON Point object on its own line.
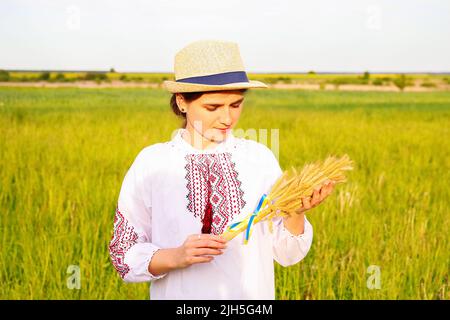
{"type": "Point", "coordinates": [214, 191]}
{"type": "Point", "coordinates": [123, 239]}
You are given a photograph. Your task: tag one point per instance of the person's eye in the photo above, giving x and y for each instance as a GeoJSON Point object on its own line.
{"type": "Point", "coordinates": [236, 106]}
{"type": "Point", "coordinates": [211, 108]}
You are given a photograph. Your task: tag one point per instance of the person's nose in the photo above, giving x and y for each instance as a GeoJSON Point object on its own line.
{"type": "Point", "coordinates": [225, 117]}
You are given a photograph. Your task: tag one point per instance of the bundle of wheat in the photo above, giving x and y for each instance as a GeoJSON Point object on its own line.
{"type": "Point", "coordinates": [285, 196]}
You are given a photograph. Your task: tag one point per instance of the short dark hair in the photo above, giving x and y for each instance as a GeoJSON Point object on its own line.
{"type": "Point", "coordinates": [188, 97]}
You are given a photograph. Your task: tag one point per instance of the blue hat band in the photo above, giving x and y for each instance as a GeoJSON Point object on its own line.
{"type": "Point", "coordinates": [218, 79]}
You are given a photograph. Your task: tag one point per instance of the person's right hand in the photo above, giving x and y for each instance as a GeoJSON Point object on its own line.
{"type": "Point", "coordinates": [197, 249]}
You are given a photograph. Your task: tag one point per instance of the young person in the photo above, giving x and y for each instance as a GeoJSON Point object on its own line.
{"type": "Point", "coordinates": [179, 196]}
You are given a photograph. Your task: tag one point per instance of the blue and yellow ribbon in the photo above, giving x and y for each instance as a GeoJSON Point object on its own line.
{"type": "Point", "coordinates": [249, 219]}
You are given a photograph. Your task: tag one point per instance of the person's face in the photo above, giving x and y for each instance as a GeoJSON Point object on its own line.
{"type": "Point", "coordinates": [214, 114]}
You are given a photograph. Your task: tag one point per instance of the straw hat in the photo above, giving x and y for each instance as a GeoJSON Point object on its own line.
{"type": "Point", "coordinates": [210, 65]}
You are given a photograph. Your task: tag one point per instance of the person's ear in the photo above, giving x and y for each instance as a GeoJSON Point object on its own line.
{"type": "Point", "coordinates": [181, 103]}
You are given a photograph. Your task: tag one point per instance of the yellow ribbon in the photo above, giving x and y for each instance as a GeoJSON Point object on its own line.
{"type": "Point", "coordinates": [248, 221]}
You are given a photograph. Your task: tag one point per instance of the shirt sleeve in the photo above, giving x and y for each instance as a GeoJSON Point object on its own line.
{"type": "Point", "coordinates": [130, 248]}
{"type": "Point", "coordinates": [288, 249]}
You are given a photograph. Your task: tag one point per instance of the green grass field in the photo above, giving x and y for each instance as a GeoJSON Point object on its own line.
{"type": "Point", "coordinates": [65, 151]}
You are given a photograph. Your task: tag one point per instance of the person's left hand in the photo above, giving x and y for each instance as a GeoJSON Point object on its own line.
{"type": "Point", "coordinates": [317, 197]}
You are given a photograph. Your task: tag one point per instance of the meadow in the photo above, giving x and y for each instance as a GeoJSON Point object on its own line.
{"type": "Point", "coordinates": [65, 151]}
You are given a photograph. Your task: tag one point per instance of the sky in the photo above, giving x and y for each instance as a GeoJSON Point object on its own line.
{"type": "Point", "coordinates": [273, 36]}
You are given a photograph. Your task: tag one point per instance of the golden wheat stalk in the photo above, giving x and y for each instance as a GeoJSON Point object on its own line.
{"type": "Point", "coordinates": [284, 198]}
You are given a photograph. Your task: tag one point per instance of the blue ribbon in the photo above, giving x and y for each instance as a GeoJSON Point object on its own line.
{"type": "Point", "coordinates": [218, 79]}
{"type": "Point", "coordinates": [252, 217]}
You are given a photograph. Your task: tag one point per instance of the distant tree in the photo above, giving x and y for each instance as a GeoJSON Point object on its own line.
{"type": "Point", "coordinates": [283, 79]}
{"type": "Point", "coordinates": [336, 82]}
{"type": "Point", "coordinates": [112, 70]}
{"type": "Point", "coordinates": [366, 75]}
{"type": "Point", "coordinates": [60, 77]}
{"type": "Point", "coordinates": [402, 81]}
{"type": "Point", "coordinates": [312, 72]}
{"type": "Point", "coordinates": [4, 76]}
{"type": "Point", "coordinates": [45, 76]}
{"type": "Point", "coordinates": [95, 76]}
{"type": "Point", "coordinates": [377, 82]}
{"type": "Point", "coordinates": [428, 84]}
{"type": "Point", "coordinates": [137, 79]}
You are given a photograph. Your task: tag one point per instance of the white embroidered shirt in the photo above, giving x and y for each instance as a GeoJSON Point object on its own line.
{"type": "Point", "coordinates": [163, 199]}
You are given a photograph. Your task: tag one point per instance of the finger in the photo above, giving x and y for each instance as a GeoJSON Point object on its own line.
{"type": "Point", "coordinates": [201, 259]}
{"type": "Point", "coordinates": [303, 202]}
{"type": "Point", "coordinates": [315, 196]}
{"type": "Point", "coordinates": [206, 236]}
{"type": "Point", "coordinates": [214, 237]}
{"type": "Point", "coordinates": [330, 187]}
{"type": "Point", "coordinates": [205, 251]}
{"type": "Point", "coordinates": [324, 192]}
{"type": "Point", "coordinates": [326, 189]}
{"type": "Point", "coordinates": [205, 243]}
{"type": "Point", "coordinates": [306, 202]}
{"type": "Point", "coordinates": [220, 238]}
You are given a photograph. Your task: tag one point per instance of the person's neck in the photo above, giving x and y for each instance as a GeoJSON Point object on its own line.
{"type": "Point", "coordinates": [198, 141]}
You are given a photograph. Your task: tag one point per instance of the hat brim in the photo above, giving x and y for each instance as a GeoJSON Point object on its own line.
{"type": "Point", "coordinates": [178, 87]}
